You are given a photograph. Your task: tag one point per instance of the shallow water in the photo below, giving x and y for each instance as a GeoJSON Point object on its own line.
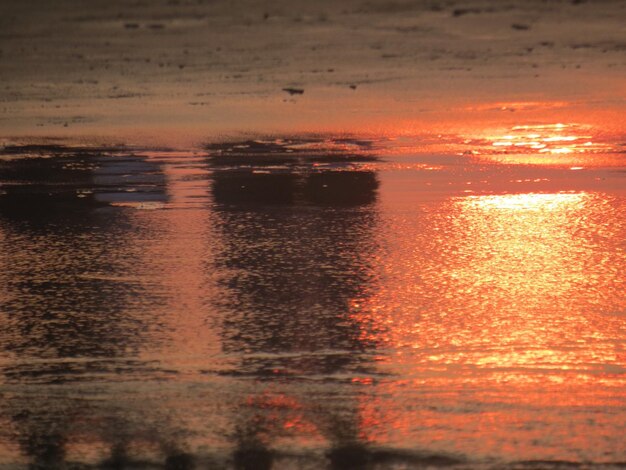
{"type": "Point", "coordinates": [312, 303]}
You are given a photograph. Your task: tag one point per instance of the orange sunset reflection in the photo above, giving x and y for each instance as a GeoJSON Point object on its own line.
{"type": "Point", "coordinates": [557, 143]}
{"type": "Point", "coordinates": [516, 270]}
{"type": "Point", "coordinates": [552, 138]}
{"type": "Point", "coordinates": [512, 298]}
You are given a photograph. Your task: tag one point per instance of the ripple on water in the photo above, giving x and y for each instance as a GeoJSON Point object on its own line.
{"type": "Point", "coordinates": [302, 303]}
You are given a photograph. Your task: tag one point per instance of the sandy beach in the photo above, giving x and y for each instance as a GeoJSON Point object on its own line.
{"type": "Point", "coordinates": [179, 73]}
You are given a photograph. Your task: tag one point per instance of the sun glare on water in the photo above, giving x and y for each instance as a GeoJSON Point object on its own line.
{"type": "Point", "coordinates": [525, 202]}
{"type": "Point", "coordinates": [559, 143]}
{"type": "Point", "coordinates": [552, 139]}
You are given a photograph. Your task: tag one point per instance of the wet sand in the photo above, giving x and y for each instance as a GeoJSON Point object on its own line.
{"type": "Point", "coordinates": [178, 73]}
{"type": "Point", "coordinates": [312, 303]}
{"type": "Point", "coordinates": [355, 235]}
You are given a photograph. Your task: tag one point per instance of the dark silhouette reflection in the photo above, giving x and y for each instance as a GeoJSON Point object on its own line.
{"type": "Point", "coordinates": [65, 290]}
{"type": "Point", "coordinates": [341, 188]}
{"type": "Point", "coordinates": [253, 457]}
{"type": "Point", "coordinates": [298, 242]}
{"type": "Point", "coordinates": [358, 456]}
{"type": "Point", "coordinates": [44, 185]}
{"type": "Point", "coordinates": [120, 458]}
{"type": "Point", "coordinates": [298, 258]}
{"type": "Point", "coordinates": [48, 452]}
{"type": "Point", "coordinates": [250, 188]}
{"type": "Point", "coordinates": [66, 299]}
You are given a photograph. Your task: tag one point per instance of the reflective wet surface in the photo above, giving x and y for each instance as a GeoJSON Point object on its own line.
{"type": "Point", "coordinates": [314, 303]}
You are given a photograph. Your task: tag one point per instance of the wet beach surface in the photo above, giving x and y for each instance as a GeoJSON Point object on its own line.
{"type": "Point", "coordinates": [172, 71]}
{"type": "Point", "coordinates": [356, 234]}
{"type": "Point", "coordinates": [310, 302]}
